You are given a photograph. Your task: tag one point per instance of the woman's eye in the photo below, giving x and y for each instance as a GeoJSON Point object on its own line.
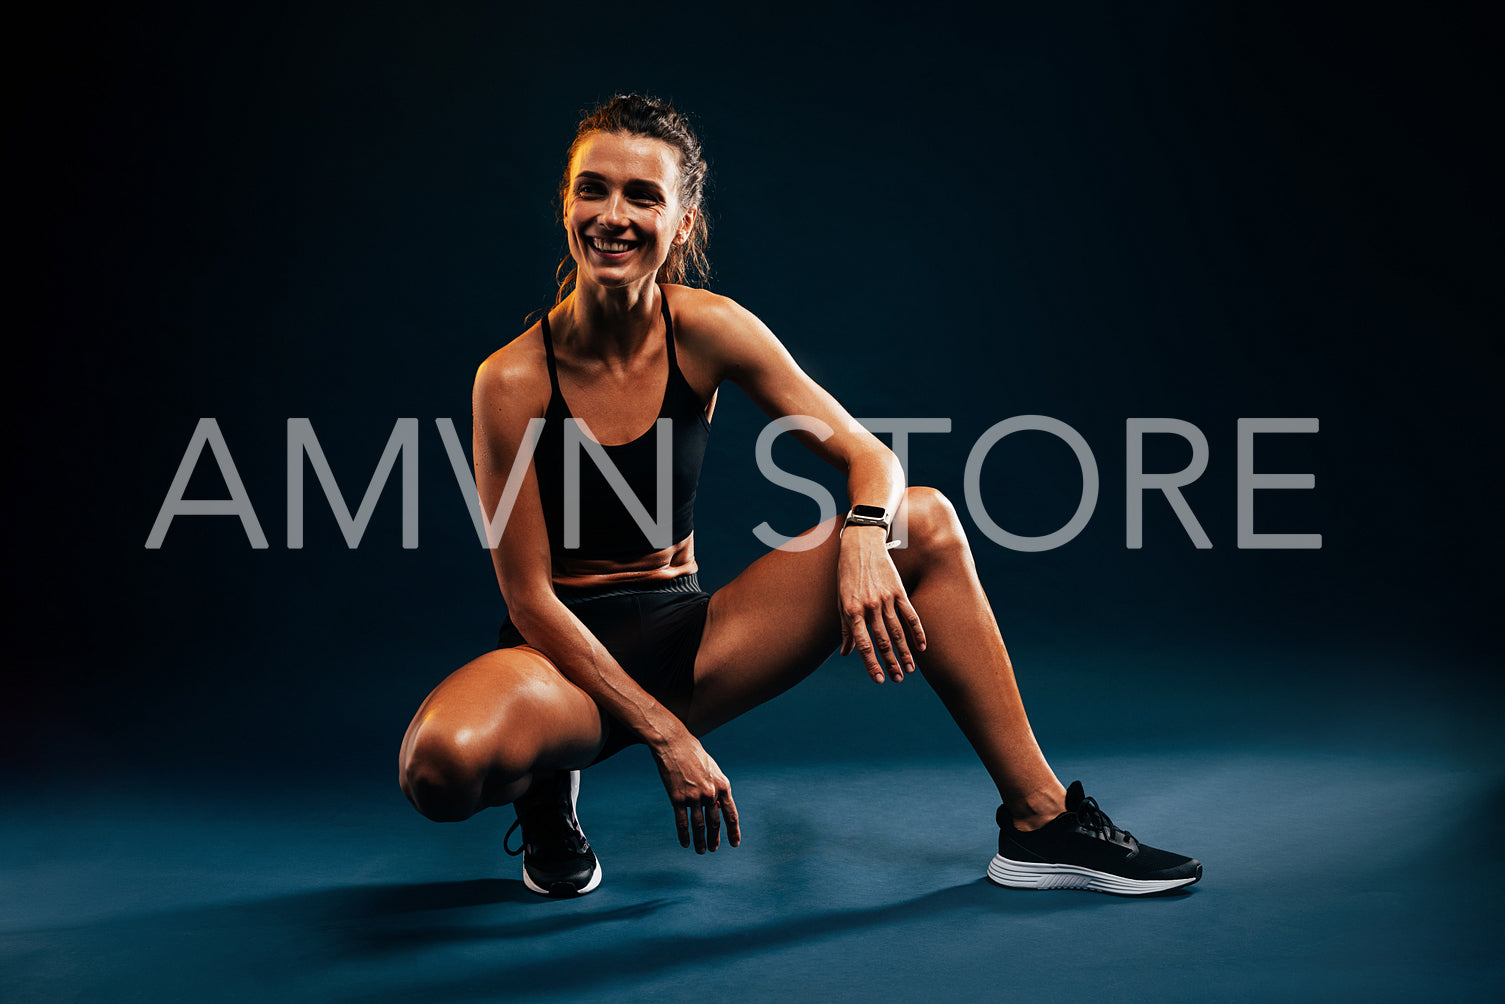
{"type": "Point", "coordinates": [587, 188]}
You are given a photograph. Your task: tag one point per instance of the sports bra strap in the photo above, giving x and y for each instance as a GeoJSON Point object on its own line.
{"type": "Point", "coordinates": [668, 331]}
{"type": "Point", "coordinates": [548, 345]}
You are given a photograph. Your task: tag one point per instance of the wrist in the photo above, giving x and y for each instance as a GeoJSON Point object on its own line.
{"type": "Point", "coordinates": [662, 730]}
{"type": "Point", "coordinates": [876, 517]}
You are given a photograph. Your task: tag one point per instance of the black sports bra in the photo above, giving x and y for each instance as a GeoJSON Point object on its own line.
{"type": "Point", "coordinates": [607, 528]}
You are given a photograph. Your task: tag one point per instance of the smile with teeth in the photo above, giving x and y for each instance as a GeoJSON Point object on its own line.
{"type": "Point", "coordinates": [608, 246]}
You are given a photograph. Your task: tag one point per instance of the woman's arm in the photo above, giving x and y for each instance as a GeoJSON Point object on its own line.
{"type": "Point", "coordinates": [875, 608]}
{"type": "Point", "coordinates": [505, 397]}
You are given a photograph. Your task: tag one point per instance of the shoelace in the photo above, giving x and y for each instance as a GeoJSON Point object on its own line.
{"type": "Point", "coordinates": [1091, 816]}
{"type": "Point", "coordinates": [507, 839]}
{"type": "Point", "coordinates": [572, 837]}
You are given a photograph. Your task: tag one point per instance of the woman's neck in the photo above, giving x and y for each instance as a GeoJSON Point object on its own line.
{"type": "Point", "coordinates": [614, 321]}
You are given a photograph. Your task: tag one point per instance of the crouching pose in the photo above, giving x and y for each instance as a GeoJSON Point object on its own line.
{"type": "Point", "coordinates": [610, 640]}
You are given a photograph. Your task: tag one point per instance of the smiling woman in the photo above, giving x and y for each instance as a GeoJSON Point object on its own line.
{"type": "Point", "coordinates": [628, 128]}
{"type": "Point", "coordinates": [611, 641]}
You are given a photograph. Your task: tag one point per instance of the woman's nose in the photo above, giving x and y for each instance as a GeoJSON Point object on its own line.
{"type": "Point", "coordinates": [613, 213]}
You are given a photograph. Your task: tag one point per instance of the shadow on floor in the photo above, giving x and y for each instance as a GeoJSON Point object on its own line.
{"type": "Point", "coordinates": [538, 945]}
{"type": "Point", "coordinates": [658, 955]}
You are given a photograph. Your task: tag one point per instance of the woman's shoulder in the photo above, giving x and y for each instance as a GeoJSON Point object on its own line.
{"type": "Point", "coordinates": [697, 307]}
{"type": "Point", "coordinates": [516, 373]}
{"type": "Point", "coordinates": [709, 319]}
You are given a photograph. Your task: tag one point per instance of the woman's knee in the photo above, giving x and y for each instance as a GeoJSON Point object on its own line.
{"type": "Point", "coordinates": [446, 769]}
{"type": "Point", "coordinates": [931, 523]}
{"type": "Point", "coordinates": [477, 739]}
{"type": "Point", "coordinates": [437, 777]}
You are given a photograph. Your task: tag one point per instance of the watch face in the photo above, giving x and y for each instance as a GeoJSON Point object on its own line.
{"type": "Point", "coordinates": [876, 512]}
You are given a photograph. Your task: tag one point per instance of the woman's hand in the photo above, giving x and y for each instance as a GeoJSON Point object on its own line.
{"type": "Point", "coordinates": [874, 606]}
{"type": "Point", "coordinates": [700, 792]}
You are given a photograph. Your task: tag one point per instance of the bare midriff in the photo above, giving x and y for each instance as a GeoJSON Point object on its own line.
{"type": "Point", "coordinates": [670, 563]}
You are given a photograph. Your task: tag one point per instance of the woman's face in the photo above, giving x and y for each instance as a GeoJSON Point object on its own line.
{"type": "Point", "coordinates": [622, 212]}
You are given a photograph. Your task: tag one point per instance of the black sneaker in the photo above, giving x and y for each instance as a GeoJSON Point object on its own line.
{"type": "Point", "coordinates": [1082, 849]}
{"type": "Point", "coordinates": [557, 859]}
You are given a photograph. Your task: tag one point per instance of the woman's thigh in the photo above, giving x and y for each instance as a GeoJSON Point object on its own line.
{"type": "Point", "coordinates": [506, 713]}
{"type": "Point", "coordinates": [767, 629]}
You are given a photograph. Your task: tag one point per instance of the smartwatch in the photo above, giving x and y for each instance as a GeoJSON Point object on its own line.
{"type": "Point", "coordinates": [866, 515]}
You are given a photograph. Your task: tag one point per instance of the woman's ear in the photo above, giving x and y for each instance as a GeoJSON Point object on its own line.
{"type": "Point", "coordinates": [686, 226]}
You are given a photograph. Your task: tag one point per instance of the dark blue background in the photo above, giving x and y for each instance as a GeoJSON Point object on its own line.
{"type": "Point", "coordinates": [335, 212]}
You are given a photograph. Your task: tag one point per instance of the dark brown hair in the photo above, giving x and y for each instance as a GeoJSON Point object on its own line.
{"type": "Point", "coordinates": [639, 115]}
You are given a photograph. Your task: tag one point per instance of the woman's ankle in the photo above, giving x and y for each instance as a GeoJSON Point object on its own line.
{"type": "Point", "coordinates": [1034, 810]}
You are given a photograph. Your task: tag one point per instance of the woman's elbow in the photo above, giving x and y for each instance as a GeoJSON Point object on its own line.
{"type": "Point", "coordinates": [532, 609]}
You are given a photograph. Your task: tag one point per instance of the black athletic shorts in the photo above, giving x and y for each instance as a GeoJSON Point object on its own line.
{"type": "Point", "coordinates": [651, 628]}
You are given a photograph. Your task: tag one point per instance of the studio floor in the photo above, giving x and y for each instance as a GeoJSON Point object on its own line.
{"type": "Point", "coordinates": [1334, 870]}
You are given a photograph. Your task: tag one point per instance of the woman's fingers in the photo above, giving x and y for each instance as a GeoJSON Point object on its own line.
{"type": "Point", "coordinates": [884, 644]}
{"type": "Point", "coordinates": [916, 629]}
{"type": "Point", "coordinates": [733, 824]}
{"type": "Point", "coordinates": [712, 825]}
{"type": "Point", "coordinates": [701, 795]}
{"type": "Point", "coordinates": [901, 651]}
{"type": "Point", "coordinates": [877, 621]}
{"type": "Point", "coordinates": [862, 644]}
{"type": "Point", "coordinates": [881, 643]}
{"type": "Point", "coordinates": [700, 822]}
{"type": "Point", "coordinates": [697, 826]}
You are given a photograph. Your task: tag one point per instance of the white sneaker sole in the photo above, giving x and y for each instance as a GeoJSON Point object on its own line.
{"type": "Point", "coordinates": [590, 886]}
{"type": "Point", "coordinates": [1039, 875]}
